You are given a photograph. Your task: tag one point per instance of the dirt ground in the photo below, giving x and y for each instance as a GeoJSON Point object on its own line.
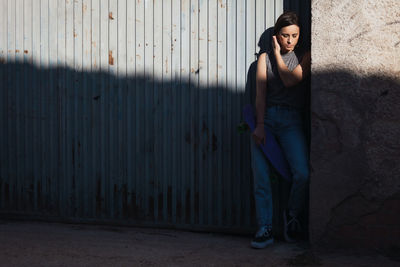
{"type": "Point", "coordinates": [55, 244]}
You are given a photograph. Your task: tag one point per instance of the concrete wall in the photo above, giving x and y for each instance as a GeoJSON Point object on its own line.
{"type": "Point", "coordinates": [355, 104]}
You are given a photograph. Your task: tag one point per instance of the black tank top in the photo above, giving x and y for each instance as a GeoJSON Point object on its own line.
{"type": "Point", "coordinates": [277, 93]}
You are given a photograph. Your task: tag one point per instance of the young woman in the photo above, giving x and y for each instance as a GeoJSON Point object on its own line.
{"type": "Point", "coordinates": [280, 98]}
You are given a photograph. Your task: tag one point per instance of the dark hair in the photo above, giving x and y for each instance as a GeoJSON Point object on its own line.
{"type": "Point", "coordinates": [286, 19]}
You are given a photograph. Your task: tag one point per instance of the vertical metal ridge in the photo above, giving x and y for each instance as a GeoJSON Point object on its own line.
{"type": "Point", "coordinates": [192, 99]}
{"type": "Point", "coordinates": [120, 109]}
{"type": "Point", "coordinates": [61, 26]}
{"type": "Point", "coordinates": [146, 178]}
{"type": "Point", "coordinates": [123, 110]}
{"type": "Point", "coordinates": [4, 182]}
{"type": "Point", "coordinates": [112, 120]}
{"type": "Point", "coordinates": [139, 108]}
{"type": "Point", "coordinates": [94, 110]}
{"type": "Point", "coordinates": [208, 207]}
{"type": "Point", "coordinates": [79, 89]}
{"type": "Point", "coordinates": [11, 108]}
{"type": "Point", "coordinates": [158, 93]}
{"type": "Point", "coordinates": [19, 131]}
{"type": "Point", "coordinates": [131, 54]}
{"type": "Point", "coordinates": [166, 159]}
{"type": "Point", "coordinates": [237, 114]}
{"type": "Point", "coordinates": [52, 112]}
{"type": "Point", "coordinates": [166, 115]}
{"type": "Point", "coordinates": [177, 115]}
{"type": "Point", "coordinates": [220, 76]}
{"type": "Point", "coordinates": [201, 68]}
{"type": "Point", "coordinates": [102, 198]}
{"type": "Point", "coordinates": [184, 71]}
{"type": "Point", "coordinates": [87, 107]}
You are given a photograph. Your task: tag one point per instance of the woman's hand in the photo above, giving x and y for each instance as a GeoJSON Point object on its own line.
{"type": "Point", "coordinates": [275, 45]}
{"type": "Point", "coordinates": [259, 134]}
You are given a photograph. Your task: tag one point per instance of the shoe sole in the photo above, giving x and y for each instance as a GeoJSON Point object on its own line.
{"type": "Point", "coordinates": [262, 245]}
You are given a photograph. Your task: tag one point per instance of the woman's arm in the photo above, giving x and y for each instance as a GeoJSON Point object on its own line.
{"type": "Point", "coordinates": [261, 87]}
{"type": "Point", "coordinates": [291, 78]}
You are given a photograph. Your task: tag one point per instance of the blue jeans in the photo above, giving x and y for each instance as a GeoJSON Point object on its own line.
{"type": "Point", "coordinates": [286, 125]}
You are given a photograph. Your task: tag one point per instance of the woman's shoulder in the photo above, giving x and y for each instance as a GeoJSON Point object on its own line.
{"type": "Point", "coordinates": [269, 55]}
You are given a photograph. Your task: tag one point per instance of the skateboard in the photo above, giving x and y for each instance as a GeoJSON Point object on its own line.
{"type": "Point", "coordinates": [271, 148]}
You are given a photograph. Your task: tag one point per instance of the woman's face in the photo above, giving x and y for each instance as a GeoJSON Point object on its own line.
{"type": "Point", "coordinates": [288, 38]}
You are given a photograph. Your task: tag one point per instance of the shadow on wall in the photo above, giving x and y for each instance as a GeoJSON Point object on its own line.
{"type": "Point", "coordinates": [91, 145]}
{"type": "Point", "coordinates": [355, 150]}
{"type": "Point", "coordinates": [70, 144]}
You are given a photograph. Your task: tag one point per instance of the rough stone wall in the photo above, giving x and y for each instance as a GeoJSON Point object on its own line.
{"type": "Point", "coordinates": [355, 113]}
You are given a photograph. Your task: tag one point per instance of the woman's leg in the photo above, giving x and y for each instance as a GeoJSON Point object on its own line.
{"type": "Point", "coordinates": [262, 186]}
{"type": "Point", "coordinates": [292, 139]}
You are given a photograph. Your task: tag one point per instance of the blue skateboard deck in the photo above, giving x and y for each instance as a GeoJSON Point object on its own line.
{"type": "Point", "coordinates": [271, 148]}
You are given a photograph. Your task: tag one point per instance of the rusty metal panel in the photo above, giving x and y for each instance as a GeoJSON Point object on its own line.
{"type": "Point", "coordinates": [126, 111]}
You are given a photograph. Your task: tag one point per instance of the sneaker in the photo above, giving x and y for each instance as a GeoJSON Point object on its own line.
{"type": "Point", "coordinates": [263, 238]}
{"type": "Point", "coordinates": [291, 227]}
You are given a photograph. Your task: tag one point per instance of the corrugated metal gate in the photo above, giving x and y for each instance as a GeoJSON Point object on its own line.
{"type": "Point", "coordinates": [126, 111]}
